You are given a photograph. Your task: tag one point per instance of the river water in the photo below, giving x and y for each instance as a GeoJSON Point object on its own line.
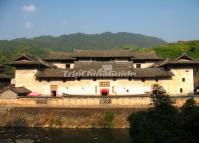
{"type": "Point", "coordinates": [49, 135]}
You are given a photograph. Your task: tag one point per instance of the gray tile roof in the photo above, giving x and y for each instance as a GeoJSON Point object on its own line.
{"type": "Point", "coordinates": [102, 54]}
{"type": "Point", "coordinates": [183, 59]}
{"type": "Point", "coordinates": [103, 69]}
{"type": "Point", "coordinates": [30, 60]}
{"type": "Point", "coordinates": [18, 90]}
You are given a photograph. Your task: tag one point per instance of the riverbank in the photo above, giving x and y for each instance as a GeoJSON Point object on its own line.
{"type": "Point", "coordinates": [66, 117]}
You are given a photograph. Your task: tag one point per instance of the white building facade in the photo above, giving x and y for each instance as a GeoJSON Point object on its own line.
{"type": "Point", "coordinates": [104, 73]}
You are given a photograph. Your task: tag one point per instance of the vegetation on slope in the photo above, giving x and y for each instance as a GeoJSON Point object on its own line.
{"type": "Point", "coordinates": [82, 41]}
{"type": "Point", "coordinates": [164, 122]}
{"type": "Point", "coordinates": [174, 49]}
{"type": "Point", "coordinates": [40, 46]}
{"type": "Point", "coordinates": [171, 50]}
{"type": "Point", "coordinates": [11, 50]}
{"type": "Point", "coordinates": [66, 117]}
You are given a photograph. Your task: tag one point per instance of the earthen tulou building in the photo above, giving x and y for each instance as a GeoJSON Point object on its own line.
{"type": "Point", "coordinates": [105, 73]}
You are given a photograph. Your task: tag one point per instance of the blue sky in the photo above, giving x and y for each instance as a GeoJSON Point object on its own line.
{"type": "Point", "coordinates": [170, 20]}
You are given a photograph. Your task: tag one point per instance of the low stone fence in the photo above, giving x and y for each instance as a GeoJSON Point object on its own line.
{"type": "Point", "coordinates": [78, 101]}
{"type": "Point", "coordinates": [85, 101]}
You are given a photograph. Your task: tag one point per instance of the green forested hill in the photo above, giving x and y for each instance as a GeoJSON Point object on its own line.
{"type": "Point", "coordinates": [84, 41]}
{"type": "Point", "coordinates": [40, 46]}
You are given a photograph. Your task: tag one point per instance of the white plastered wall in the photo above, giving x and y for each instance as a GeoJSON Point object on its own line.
{"type": "Point", "coordinates": [117, 87]}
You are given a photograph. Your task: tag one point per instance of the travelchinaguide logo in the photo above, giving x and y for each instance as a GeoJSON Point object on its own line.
{"type": "Point", "coordinates": [104, 71]}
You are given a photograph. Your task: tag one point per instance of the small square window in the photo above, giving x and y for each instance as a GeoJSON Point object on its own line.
{"type": "Point", "coordinates": [183, 79]}
{"type": "Point", "coordinates": [67, 65]}
{"type": "Point", "coordinates": [181, 90]}
{"type": "Point", "coordinates": [138, 65]}
{"type": "Point", "coordinates": [143, 80]}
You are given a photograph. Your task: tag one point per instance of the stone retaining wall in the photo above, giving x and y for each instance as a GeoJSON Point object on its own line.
{"type": "Point", "coordinates": [135, 101]}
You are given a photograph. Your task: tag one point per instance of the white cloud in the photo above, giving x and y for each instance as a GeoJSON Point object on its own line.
{"type": "Point", "coordinates": [28, 25]}
{"type": "Point", "coordinates": [29, 8]}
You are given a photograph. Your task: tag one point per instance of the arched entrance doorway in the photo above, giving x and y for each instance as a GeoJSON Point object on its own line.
{"type": "Point", "coordinates": [104, 92]}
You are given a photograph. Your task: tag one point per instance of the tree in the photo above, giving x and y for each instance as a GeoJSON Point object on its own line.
{"type": "Point", "coordinates": [165, 123]}
{"type": "Point", "coordinates": [190, 121]}
{"type": "Point", "coordinates": [159, 96]}
{"type": "Point", "coordinates": [192, 49]}
{"type": "Point", "coordinates": [157, 124]}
